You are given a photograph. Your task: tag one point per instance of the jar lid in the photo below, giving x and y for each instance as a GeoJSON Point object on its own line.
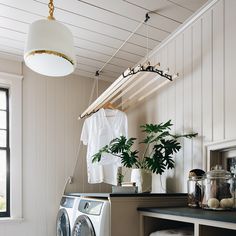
{"type": "Point", "coordinates": [218, 172]}
{"type": "Point", "coordinates": [196, 174]}
{"type": "Point", "coordinates": [195, 178]}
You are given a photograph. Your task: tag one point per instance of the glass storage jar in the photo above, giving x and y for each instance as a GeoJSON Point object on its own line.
{"type": "Point", "coordinates": [218, 189]}
{"type": "Point", "coordinates": [194, 191]}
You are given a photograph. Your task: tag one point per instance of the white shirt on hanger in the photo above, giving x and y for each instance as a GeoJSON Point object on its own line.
{"type": "Point", "coordinates": [98, 130]}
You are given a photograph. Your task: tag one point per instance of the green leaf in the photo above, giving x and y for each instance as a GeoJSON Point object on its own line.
{"type": "Point", "coordinates": [130, 143]}
{"type": "Point", "coordinates": [129, 159]}
{"type": "Point", "coordinates": [155, 128]}
{"type": "Point", "coordinates": [170, 164]}
{"type": "Point", "coordinates": [185, 135]}
{"type": "Point", "coordinates": [97, 157]}
{"type": "Point", "coordinates": [156, 164]}
{"type": "Point", "coordinates": [117, 145]}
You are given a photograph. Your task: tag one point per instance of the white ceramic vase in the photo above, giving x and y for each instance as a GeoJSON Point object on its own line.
{"type": "Point", "coordinates": [143, 180]}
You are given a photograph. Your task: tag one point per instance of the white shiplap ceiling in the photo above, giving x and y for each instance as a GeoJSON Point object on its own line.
{"type": "Point", "coordinates": [99, 28]}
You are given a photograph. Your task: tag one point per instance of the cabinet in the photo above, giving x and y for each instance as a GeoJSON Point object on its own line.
{"type": "Point", "coordinates": [202, 222]}
{"type": "Point", "coordinates": [124, 217]}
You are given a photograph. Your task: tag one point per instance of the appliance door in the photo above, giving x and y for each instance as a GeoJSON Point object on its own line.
{"type": "Point", "coordinates": [63, 223]}
{"type": "Point", "coordinates": [83, 227]}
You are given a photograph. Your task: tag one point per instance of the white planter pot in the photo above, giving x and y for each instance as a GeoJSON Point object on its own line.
{"type": "Point", "coordinates": [143, 180]}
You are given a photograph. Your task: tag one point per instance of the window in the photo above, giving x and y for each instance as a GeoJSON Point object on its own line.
{"type": "Point", "coordinates": [11, 147]}
{"type": "Point", "coordinates": [4, 154]}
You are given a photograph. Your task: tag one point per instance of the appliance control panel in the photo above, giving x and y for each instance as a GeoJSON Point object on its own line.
{"type": "Point", "coordinates": [90, 207]}
{"type": "Point", "coordinates": [67, 202]}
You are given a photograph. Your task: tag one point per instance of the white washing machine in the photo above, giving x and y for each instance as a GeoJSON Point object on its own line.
{"type": "Point", "coordinates": [66, 215]}
{"type": "Point", "coordinates": [92, 218]}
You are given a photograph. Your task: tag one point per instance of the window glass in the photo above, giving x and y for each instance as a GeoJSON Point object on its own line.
{"type": "Point", "coordinates": [3, 120]}
{"type": "Point", "coordinates": [3, 138]}
{"type": "Point", "coordinates": [3, 99]}
{"type": "Point", "coordinates": [4, 155]}
{"type": "Point", "coordinates": [10, 157]}
{"type": "Point", "coordinates": [3, 180]}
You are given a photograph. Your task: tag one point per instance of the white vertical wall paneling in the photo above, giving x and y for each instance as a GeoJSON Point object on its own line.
{"type": "Point", "coordinates": [179, 109]}
{"type": "Point", "coordinates": [207, 77]}
{"type": "Point", "coordinates": [230, 65]}
{"type": "Point", "coordinates": [71, 91]}
{"type": "Point", "coordinates": [9, 66]}
{"type": "Point", "coordinates": [71, 149]}
{"type": "Point", "coordinates": [39, 162]}
{"type": "Point", "coordinates": [42, 152]}
{"type": "Point", "coordinates": [68, 129]}
{"type": "Point", "coordinates": [171, 113]}
{"type": "Point", "coordinates": [218, 71]}
{"type": "Point", "coordinates": [187, 80]}
{"type": "Point", "coordinates": [206, 91]}
{"type": "Point", "coordinates": [60, 135]}
{"type": "Point", "coordinates": [52, 145]}
{"type": "Point", "coordinates": [60, 140]}
{"type": "Point", "coordinates": [159, 112]}
{"type": "Point", "coordinates": [157, 98]}
{"type": "Point", "coordinates": [197, 94]}
{"type": "Point", "coordinates": [152, 115]}
{"type": "Point", "coordinates": [78, 94]}
{"type": "Point", "coordinates": [50, 139]}
{"type": "Point", "coordinates": [164, 115]}
{"type": "Point", "coordinates": [159, 103]}
{"type": "Point", "coordinates": [79, 179]}
{"type": "Point", "coordinates": [35, 161]}
{"type": "Point", "coordinates": [28, 154]}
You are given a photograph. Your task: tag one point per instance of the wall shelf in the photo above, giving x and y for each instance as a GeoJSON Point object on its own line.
{"type": "Point", "coordinates": [203, 222]}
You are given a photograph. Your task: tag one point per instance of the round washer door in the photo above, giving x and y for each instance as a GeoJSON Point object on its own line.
{"type": "Point", "coordinates": [63, 223]}
{"type": "Point", "coordinates": [83, 227]}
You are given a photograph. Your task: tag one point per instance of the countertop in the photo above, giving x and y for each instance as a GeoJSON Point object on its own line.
{"type": "Point", "coordinates": [223, 216]}
{"type": "Point", "coordinates": [106, 195]}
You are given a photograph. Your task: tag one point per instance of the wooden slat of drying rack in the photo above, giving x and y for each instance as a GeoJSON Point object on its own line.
{"type": "Point", "coordinates": [120, 88]}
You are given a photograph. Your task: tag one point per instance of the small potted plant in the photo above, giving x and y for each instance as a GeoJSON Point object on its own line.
{"type": "Point", "coordinates": [160, 145]}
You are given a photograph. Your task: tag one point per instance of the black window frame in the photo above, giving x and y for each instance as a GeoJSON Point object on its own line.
{"type": "Point", "coordinates": [7, 149]}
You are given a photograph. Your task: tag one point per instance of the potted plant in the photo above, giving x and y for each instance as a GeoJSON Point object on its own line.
{"type": "Point", "coordinates": [160, 145]}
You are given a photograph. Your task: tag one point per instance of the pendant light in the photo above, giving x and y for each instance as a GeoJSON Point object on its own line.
{"type": "Point", "coordinates": [49, 50]}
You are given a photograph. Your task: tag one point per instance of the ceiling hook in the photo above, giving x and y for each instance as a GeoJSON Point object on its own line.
{"type": "Point", "coordinates": [97, 73]}
{"type": "Point", "coordinates": [147, 17]}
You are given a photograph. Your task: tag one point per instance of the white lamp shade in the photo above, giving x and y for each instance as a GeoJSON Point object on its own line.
{"type": "Point", "coordinates": [49, 49]}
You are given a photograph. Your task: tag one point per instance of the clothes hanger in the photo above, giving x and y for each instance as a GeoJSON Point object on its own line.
{"type": "Point", "coordinates": [109, 105]}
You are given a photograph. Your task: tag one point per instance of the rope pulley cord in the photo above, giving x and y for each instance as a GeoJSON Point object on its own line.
{"type": "Point", "coordinates": [95, 86]}
{"type": "Point", "coordinates": [70, 178]}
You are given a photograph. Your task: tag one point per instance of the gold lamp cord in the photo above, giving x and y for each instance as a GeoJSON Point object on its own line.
{"type": "Point", "coordinates": [51, 10]}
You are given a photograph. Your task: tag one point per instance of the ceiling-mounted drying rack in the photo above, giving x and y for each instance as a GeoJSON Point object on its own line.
{"type": "Point", "coordinates": [148, 68]}
{"type": "Point", "coordinates": [128, 80]}
{"type": "Point", "coordinates": [121, 86]}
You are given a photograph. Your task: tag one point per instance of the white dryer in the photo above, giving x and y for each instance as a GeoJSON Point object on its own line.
{"type": "Point", "coordinates": [66, 215]}
{"type": "Point", "coordinates": [92, 218]}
